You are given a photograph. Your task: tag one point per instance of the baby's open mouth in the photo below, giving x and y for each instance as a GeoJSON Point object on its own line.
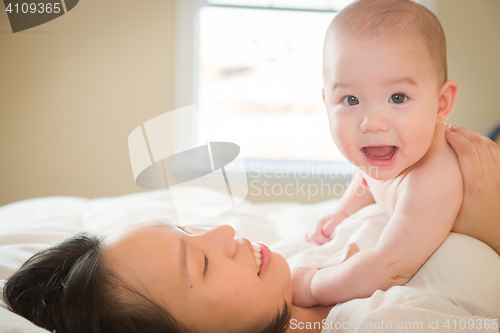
{"type": "Point", "coordinates": [379, 152]}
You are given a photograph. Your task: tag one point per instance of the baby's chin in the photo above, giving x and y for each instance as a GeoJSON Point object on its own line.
{"type": "Point", "coordinates": [381, 174]}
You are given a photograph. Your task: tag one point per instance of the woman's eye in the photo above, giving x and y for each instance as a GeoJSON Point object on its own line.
{"type": "Point", "coordinates": [206, 266]}
{"type": "Point", "coordinates": [181, 228]}
{"type": "Point", "coordinates": [350, 100]}
{"type": "Point", "coordinates": [398, 98]}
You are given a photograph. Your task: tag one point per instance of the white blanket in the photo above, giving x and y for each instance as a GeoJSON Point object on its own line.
{"type": "Point", "coordinates": [459, 281]}
{"type": "Point", "coordinates": [463, 270]}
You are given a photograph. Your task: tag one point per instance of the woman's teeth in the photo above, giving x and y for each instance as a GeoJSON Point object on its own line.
{"type": "Point", "coordinates": [258, 256]}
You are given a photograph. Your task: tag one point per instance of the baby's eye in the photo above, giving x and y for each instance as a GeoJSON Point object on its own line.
{"type": "Point", "coordinates": [350, 100]}
{"type": "Point", "coordinates": [398, 98]}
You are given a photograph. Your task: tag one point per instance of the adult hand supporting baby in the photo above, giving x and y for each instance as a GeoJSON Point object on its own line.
{"type": "Point", "coordinates": [479, 160]}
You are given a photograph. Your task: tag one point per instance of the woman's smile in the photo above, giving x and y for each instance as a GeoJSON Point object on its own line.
{"type": "Point", "coordinates": [258, 256]}
{"type": "Point", "coordinates": [222, 274]}
{"type": "Point", "coordinates": [266, 258]}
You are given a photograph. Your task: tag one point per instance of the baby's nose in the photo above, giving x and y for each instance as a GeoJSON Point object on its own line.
{"type": "Point", "coordinates": [375, 121]}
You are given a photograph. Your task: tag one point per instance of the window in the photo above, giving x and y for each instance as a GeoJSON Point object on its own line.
{"type": "Point", "coordinates": [258, 77]}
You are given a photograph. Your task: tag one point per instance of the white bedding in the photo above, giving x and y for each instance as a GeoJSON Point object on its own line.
{"type": "Point", "coordinates": [459, 281]}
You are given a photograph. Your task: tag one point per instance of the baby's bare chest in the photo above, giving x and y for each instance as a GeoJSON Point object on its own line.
{"type": "Point", "coordinates": [386, 193]}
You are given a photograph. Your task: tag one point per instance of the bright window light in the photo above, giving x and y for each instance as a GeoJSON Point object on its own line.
{"type": "Point", "coordinates": [260, 81]}
{"type": "Point", "coordinates": [308, 4]}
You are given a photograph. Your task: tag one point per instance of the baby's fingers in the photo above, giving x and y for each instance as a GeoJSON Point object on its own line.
{"type": "Point", "coordinates": [319, 238]}
{"type": "Point", "coordinates": [316, 236]}
{"type": "Point", "coordinates": [329, 227]}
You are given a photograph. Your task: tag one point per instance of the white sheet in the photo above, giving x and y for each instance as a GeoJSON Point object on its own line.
{"type": "Point", "coordinates": [458, 282]}
{"type": "Point", "coordinates": [29, 226]}
{"type": "Point", "coordinates": [404, 309]}
{"type": "Point", "coordinates": [456, 288]}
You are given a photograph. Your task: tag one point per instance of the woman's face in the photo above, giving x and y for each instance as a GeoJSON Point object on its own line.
{"type": "Point", "coordinates": [207, 280]}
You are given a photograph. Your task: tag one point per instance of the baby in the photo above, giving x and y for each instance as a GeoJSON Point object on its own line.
{"type": "Point", "coordinates": [387, 97]}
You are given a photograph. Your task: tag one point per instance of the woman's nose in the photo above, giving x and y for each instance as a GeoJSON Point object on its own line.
{"type": "Point", "coordinates": [222, 238]}
{"type": "Point", "coordinates": [374, 121]}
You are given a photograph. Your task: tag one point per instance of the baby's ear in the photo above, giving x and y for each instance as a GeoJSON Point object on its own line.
{"type": "Point", "coordinates": [323, 93]}
{"type": "Point", "coordinates": [446, 103]}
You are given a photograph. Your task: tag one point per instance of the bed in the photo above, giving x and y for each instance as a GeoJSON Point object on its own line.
{"type": "Point", "coordinates": [435, 294]}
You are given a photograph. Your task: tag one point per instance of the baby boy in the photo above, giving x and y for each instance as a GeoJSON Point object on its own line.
{"type": "Point", "coordinates": [387, 96]}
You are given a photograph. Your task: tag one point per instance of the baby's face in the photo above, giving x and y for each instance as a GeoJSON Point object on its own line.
{"type": "Point", "coordinates": [381, 96]}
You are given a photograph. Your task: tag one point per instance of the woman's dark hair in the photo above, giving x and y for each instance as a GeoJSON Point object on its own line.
{"type": "Point", "coordinates": [68, 289]}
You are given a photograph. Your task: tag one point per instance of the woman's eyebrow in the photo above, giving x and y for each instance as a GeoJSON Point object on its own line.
{"type": "Point", "coordinates": [183, 257]}
{"type": "Point", "coordinates": [183, 248]}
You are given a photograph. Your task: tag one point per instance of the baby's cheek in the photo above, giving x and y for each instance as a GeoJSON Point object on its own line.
{"type": "Point", "coordinates": [343, 139]}
{"type": "Point", "coordinates": [421, 136]}
{"type": "Point", "coordinates": [335, 128]}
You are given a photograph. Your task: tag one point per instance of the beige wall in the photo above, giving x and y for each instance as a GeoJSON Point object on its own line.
{"type": "Point", "coordinates": [472, 30]}
{"type": "Point", "coordinates": [73, 89]}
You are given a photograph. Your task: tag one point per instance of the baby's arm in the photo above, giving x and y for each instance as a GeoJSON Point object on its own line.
{"type": "Point", "coordinates": [355, 197]}
{"type": "Point", "coordinates": [424, 215]}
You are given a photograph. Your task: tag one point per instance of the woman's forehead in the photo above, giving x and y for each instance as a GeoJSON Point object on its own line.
{"type": "Point", "coordinates": [149, 238]}
{"type": "Point", "coordinates": [145, 256]}
{"type": "Point", "coordinates": [114, 235]}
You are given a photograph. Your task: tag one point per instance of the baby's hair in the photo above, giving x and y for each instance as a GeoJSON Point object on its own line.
{"type": "Point", "coordinates": [392, 18]}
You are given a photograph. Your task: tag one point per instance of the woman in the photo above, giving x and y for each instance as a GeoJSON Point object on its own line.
{"type": "Point", "coordinates": [479, 159]}
{"type": "Point", "coordinates": [155, 277]}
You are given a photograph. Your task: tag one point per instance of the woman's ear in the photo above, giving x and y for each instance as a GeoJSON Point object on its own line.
{"type": "Point", "coordinates": [323, 93]}
{"type": "Point", "coordinates": [446, 100]}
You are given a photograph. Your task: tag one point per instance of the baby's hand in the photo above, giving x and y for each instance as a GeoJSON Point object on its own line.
{"type": "Point", "coordinates": [301, 286]}
{"type": "Point", "coordinates": [324, 228]}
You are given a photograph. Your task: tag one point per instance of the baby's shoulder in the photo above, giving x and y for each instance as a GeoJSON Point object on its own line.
{"type": "Point", "coordinates": [438, 162]}
{"type": "Point", "coordinates": [435, 181]}
{"type": "Point", "coordinates": [438, 166]}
